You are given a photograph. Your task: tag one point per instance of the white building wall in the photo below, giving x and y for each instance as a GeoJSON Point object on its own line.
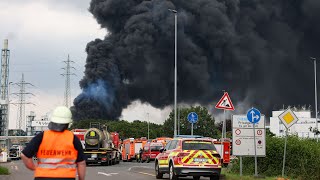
{"type": "Point", "coordinates": [301, 128]}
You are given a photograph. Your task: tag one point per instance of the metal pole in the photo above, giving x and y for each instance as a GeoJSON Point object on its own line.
{"type": "Point", "coordinates": [224, 124]}
{"type": "Point", "coordinates": [315, 92]}
{"type": "Point", "coordinates": [284, 153]}
{"type": "Point", "coordinates": [175, 73]}
{"type": "Point", "coordinates": [191, 129]}
{"type": "Point", "coordinates": [240, 165]}
{"type": "Point", "coordinates": [255, 151]}
{"type": "Point", "coordinates": [148, 126]}
{"type": "Point", "coordinates": [223, 134]}
{"type": "Point", "coordinates": [178, 120]}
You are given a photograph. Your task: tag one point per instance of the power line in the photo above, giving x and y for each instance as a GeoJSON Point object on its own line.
{"type": "Point", "coordinates": [22, 101]}
{"type": "Point", "coordinates": [67, 74]}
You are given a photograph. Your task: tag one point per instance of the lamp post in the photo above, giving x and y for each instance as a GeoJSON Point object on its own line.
{"type": "Point", "coordinates": [175, 70]}
{"type": "Point", "coordinates": [315, 93]}
{"type": "Point", "coordinates": [148, 126]}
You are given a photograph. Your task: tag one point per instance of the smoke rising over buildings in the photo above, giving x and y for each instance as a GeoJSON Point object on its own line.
{"type": "Point", "coordinates": [257, 50]}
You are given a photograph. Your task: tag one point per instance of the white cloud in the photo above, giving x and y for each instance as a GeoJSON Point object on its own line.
{"type": "Point", "coordinates": [138, 111]}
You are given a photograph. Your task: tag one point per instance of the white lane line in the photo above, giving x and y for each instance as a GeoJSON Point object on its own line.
{"type": "Point", "coordinates": [16, 167]}
{"type": "Point", "coordinates": [147, 174]}
{"type": "Point", "coordinates": [147, 167]}
{"type": "Point", "coordinates": [107, 174]}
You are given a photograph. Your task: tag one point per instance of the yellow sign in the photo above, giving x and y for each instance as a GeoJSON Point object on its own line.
{"type": "Point", "coordinates": [288, 118]}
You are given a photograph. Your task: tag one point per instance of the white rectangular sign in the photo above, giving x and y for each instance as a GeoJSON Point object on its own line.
{"type": "Point", "coordinates": [243, 136]}
{"type": "Point", "coordinates": [241, 121]}
{"type": "Point", "coordinates": [39, 123]}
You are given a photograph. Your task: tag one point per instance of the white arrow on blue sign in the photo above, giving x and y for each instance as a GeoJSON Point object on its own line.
{"type": "Point", "coordinates": [253, 115]}
{"type": "Point", "coordinates": [192, 117]}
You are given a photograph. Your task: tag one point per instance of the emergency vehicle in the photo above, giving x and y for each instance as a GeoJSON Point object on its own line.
{"type": "Point", "coordinates": [189, 156]}
{"type": "Point", "coordinates": [80, 134]}
{"type": "Point", "coordinates": [131, 148]}
{"type": "Point", "coordinates": [150, 151]}
{"type": "Point", "coordinates": [226, 149]}
{"type": "Point", "coordinates": [163, 140]}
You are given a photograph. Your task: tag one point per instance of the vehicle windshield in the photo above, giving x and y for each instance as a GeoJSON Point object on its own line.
{"type": "Point", "coordinates": [155, 148]}
{"type": "Point", "coordinates": [197, 145]}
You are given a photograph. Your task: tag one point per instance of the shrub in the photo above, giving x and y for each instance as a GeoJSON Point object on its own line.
{"type": "Point", "coordinates": [302, 159]}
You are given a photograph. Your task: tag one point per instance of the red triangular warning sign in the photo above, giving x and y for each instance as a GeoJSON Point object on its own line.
{"type": "Point", "coordinates": [225, 103]}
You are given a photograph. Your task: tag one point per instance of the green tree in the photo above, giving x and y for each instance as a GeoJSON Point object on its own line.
{"type": "Point", "coordinates": [135, 129]}
{"type": "Point", "coordinates": [205, 125]}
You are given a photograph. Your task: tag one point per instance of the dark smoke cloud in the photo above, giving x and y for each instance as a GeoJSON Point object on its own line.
{"type": "Point", "coordinates": [254, 49]}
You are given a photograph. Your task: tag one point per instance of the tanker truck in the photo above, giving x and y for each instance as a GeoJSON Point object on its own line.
{"type": "Point", "coordinates": [100, 146]}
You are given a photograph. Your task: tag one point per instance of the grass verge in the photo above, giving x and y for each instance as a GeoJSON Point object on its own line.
{"type": "Point", "coordinates": [4, 171]}
{"type": "Point", "coordinates": [231, 176]}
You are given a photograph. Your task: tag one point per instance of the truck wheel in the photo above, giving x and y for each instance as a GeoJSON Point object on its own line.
{"type": "Point", "coordinates": [158, 174]}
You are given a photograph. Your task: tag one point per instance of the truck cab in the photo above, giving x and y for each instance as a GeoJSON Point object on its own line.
{"type": "Point", "coordinates": [150, 151]}
{"type": "Point", "coordinates": [15, 152]}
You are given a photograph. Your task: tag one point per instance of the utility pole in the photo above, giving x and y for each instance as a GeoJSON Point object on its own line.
{"type": "Point", "coordinates": [22, 102]}
{"type": "Point", "coordinates": [67, 74]}
{"type": "Point", "coordinates": [315, 94]}
{"type": "Point", "coordinates": [148, 126]}
{"type": "Point", "coordinates": [175, 69]}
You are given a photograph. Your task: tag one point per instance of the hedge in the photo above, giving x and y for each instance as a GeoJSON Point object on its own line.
{"type": "Point", "coordinates": [302, 159]}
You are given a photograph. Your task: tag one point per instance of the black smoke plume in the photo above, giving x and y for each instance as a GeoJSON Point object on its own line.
{"type": "Point", "coordinates": [257, 50]}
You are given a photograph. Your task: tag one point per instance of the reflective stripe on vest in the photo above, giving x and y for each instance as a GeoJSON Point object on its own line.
{"type": "Point", "coordinates": [56, 155]}
{"type": "Point", "coordinates": [55, 166]}
{"type": "Point", "coordinates": [55, 160]}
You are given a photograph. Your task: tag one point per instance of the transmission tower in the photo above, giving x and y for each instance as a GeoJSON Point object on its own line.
{"type": "Point", "coordinates": [22, 102]}
{"type": "Point", "coordinates": [67, 73]}
{"type": "Point", "coordinates": [4, 100]}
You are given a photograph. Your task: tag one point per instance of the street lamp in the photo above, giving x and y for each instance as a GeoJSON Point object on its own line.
{"type": "Point", "coordinates": [148, 126]}
{"type": "Point", "coordinates": [315, 92]}
{"type": "Point", "coordinates": [175, 70]}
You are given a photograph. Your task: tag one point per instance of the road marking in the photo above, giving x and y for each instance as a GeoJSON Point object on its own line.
{"type": "Point", "coordinates": [146, 174]}
{"type": "Point", "coordinates": [147, 167]}
{"type": "Point", "coordinates": [16, 167]}
{"type": "Point", "coordinates": [106, 174]}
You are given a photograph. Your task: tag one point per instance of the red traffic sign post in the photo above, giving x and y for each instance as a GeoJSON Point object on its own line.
{"type": "Point", "coordinates": [225, 103]}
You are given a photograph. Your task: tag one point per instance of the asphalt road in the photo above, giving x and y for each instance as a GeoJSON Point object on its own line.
{"type": "Point", "coordinates": [122, 171]}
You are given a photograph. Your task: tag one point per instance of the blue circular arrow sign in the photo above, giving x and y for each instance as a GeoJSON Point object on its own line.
{"type": "Point", "coordinates": [192, 117]}
{"type": "Point", "coordinates": [253, 115]}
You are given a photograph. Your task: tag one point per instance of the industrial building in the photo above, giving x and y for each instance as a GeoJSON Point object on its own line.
{"type": "Point", "coordinates": [303, 128]}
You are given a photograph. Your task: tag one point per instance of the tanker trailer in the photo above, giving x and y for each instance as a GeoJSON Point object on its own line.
{"type": "Point", "coordinates": [99, 147]}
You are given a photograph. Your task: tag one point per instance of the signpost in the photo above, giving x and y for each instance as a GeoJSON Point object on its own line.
{"type": "Point", "coordinates": [288, 118]}
{"type": "Point", "coordinates": [243, 135]}
{"type": "Point", "coordinates": [224, 103]}
{"type": "Point", "coordinates": [192, 118]}
{"type": "Point", "coordinates": [254, 116]}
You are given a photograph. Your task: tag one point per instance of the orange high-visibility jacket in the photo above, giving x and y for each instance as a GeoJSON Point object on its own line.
{"type": "Point", "coordinates": [57, 155]}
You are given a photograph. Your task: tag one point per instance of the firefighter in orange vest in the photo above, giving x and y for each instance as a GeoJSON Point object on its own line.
{"type": "Point", "coordinates": [59, 152]}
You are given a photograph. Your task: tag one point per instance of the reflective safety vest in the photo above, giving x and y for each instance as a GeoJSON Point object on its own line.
{"type": "Point", "coordinates": [56, 155]}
